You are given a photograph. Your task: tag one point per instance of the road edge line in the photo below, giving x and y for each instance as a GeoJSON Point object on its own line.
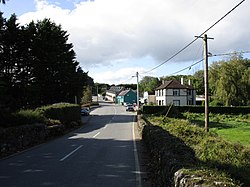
{"type": "Point", "coordinates": [137, 166]}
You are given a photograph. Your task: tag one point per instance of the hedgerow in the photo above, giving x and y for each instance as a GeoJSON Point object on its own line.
{"type": "Point", "coordinates": [210, 150]}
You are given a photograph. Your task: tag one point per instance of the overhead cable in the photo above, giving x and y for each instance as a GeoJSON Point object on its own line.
{"type": "Point", "coordinates": [182, 49]}
{"type": "Point", "coordinates": [222, 54]}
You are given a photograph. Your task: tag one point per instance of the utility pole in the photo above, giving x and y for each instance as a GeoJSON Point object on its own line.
{"type": "Point", "coordinates": [137, 80]}
{"type": "Point", "coordinates": [97, 93]}
{"type": "Point", "coordinates": [206, 81]}
{"type": "Point", "coordinates": [75, 99]}
{"type": "Point", "coordinates": [137, 77]}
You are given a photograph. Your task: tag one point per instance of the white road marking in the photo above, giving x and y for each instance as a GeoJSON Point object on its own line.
{"type": "Point", "coordinates": [96, 134]}
{"type": "Point", "coordinates": [137, 166]}
{"type": "Point", "coordinates": [115, 111]}
{"type": "Point", "coordinates": [68, 155]}
{"type": "Point", "coordinates": [113, 117]}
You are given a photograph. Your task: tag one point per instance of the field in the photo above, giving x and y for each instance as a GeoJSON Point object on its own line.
{"type": "Point", "coordinates": [234, 128]}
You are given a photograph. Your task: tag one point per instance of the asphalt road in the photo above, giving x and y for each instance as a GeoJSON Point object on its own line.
{"type": "Point", "coordinates": [102, 153]}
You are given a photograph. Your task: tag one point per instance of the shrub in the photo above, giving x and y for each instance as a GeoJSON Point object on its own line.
{"type": "Point", "coordinates": [170, 111]}
{"type": "Point", "coordinates": [65, 113]}
{"type": "Point", "coordinates": [24, 117]}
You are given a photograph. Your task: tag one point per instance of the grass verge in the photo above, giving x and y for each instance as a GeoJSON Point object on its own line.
{"type": "Point", "coordinates": [233, 128]}
{"type": "Point", "coordinates": [211, 150]}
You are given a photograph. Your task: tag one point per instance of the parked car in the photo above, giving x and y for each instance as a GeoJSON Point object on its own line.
{"type": "Point", "coordinates": [130, 107]}
{"type": "Point", "coordinates": [126, 104]}
{"type": "Point", "coordinates": [85, 111]}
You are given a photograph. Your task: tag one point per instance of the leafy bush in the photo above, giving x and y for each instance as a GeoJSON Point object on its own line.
{"type": "Point", "coordinates": [52, 122]}
{"type": "Point", "coordinates": [170, 111]}
{"type": "Point", "coordinates": [24, 117]}
{"type": "Point", "coordinates": [149, 109]}
{"type": "Point", "coordinates": [65, 113]}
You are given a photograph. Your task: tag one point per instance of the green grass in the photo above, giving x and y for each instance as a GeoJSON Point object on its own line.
{"type": "Point", "coordinates": [239, 134]}
{"type": "Point", "coordinates": [233, 128]}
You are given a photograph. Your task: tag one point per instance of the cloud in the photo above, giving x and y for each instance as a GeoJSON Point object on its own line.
{"type": "Point", "coordinates": [106, 31]}
{"type": "Point", "coordinates": [120, 76]}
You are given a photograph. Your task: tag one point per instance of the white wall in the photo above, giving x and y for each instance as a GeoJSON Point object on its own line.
{"type": "Point", "coordinates": [167, 98]}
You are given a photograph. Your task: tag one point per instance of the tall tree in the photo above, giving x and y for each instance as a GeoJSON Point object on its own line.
{"type": "Point", "coordinates": [198, 82]}
{"type": "Point", "coordinates": [10, 58]}
{"type": "Point", "coordinates": [230, 81]}
{"type": "Point", "coordinates": [87, 95]}
{"type": "Point", "coordinates": [37, 65]}
{"type": "Point", "coordinates": [54, 62]}
{"type": "Point", "coordinates": [148, 84]}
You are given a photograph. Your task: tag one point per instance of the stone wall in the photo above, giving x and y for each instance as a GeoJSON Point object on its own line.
{"type": "Point", "coordinates": [15, 139]}
{"type": "Point", "coordinates": [172, 163]}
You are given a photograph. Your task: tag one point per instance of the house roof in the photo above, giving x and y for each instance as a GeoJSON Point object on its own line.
{"type": "Point", "coordinates": [173, 84]}
{"type": "Point", "coordinates": [124, 92]}
{"type": "Point", "coordinates": [115, 89]}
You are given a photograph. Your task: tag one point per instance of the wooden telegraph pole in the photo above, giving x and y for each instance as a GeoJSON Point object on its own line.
{"type": "Point", "coordinates": [137, 79]}
{"type": "Point", "coordinates": [137, 97]}
{"type": "Point", "coordinates": [206, 81]}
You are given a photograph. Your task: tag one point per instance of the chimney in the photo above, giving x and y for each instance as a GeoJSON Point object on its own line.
{"type": "Point", "coordinates": [163, 81]}
{"type": "Point", "coordinates": [182, 80]}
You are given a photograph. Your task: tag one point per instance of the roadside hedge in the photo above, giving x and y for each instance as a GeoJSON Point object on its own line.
{"type": "Point", "coordinates": [27, 128]}
{"type": "Point", "coordinates": [65, 113]}
{"type": "Point", "coordinates": [161, 110]}
{"type": "Point", "coordinates": [209, 150]}
{"type": "Point", "coordinates": [18, 138]}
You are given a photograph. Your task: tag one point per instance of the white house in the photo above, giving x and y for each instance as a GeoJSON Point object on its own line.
{"type": "Point", "coordinates": [175, 92]}
{"type": "Point", "coordinates": [148, 99]}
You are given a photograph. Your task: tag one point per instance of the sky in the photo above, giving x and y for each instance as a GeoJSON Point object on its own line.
{"type": "Point", "coordinates": [114, 39]}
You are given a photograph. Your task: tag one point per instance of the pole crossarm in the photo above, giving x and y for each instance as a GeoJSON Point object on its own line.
{"type": "Point", "coordinates": [204, 37]}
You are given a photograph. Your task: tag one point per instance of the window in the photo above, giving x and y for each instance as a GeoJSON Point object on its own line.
{"type": "Point", "coordinates": [176, 102]}
{"type": "Point", "coordinates": [189, 92]}
{"type": "Point", "coordinates": [176, 92]}
{"type": "Point", "coordinates": [190, 102]}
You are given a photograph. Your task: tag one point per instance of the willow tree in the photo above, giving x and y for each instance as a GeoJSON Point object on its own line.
{"type": "Point", "coordinates": [149, 84]}
{"type": "Point", "coordinates": [230, 81]}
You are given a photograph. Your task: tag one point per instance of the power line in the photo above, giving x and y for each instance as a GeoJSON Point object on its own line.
{"type": "Point", "coordinates": [222, 54]}
{"type": "Point", "coordinates": [182, 49]}
{"type": "Point", "coordinates": [193, 64]}
{"type": "Point", "coordinates": [232, 53]}
{"type": "Point", "coordinates": [187, 67]}
{"type": "Point", "coordinates": [127, 80]}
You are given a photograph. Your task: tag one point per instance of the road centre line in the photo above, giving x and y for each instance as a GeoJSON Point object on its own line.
{"type": "Point", "coordinates": [137, 166]}
{"type": "Point", "coordinates": [72, 152]}
{"type": "Point", "coordinates": [96, 134]}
